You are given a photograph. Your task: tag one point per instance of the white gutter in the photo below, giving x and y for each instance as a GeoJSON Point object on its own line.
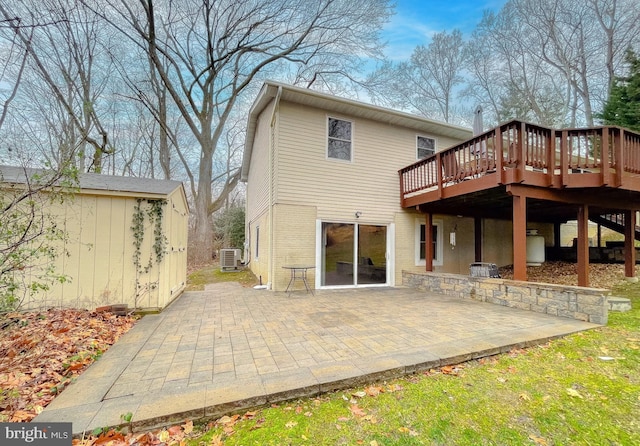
{"type": "Point", "coordinates": [272, 124]}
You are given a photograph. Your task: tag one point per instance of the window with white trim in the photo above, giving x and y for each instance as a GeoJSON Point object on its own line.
{"type": "Point", "coordinates": [420, 240]}
{"type": "Point", "coordinates": [339, 142]}
{"type": "Point", "coordinates": [425, 146]}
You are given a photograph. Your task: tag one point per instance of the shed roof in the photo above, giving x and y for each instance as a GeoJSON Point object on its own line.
{"type": "Point", "coordinates": [345, 106]}
{"type": "Point", "coordinates": [95, 181]}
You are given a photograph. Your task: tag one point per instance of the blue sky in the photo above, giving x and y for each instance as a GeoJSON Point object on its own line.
{"type": "Point", "coordinates": [416, 21]}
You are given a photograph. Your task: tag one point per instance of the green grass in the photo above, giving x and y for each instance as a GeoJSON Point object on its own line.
{"type": "Point", "coordinates": [580, 390]}
{"type": "Point", "coordinates": [212, 274]}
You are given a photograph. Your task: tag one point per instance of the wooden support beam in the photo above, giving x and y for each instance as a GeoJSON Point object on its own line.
{"type": "Point", "coordinates": [575, 196]}
{"type": "Point", "coordinates": [551, 158]}
{"type": "Point", "coordinates": [521, 151]}
{"type": "Point", "coordinates": [620, 161]}
{"type": "Point", "coordinates": [439, 169]}
{"type": "Point", "coordinates": [583, 245]}
{"type": "Point", "coordinates": [629, 245]}
{"type": "Point", "coordinates": [557, 241]}
{"type": "Point", "coordinates": [499, 155]}
{"type": "Point", "coordinates": [428, 244]}
{"type": "Point", "coordinates": [477, 237]}
{"type": "Point", "coordinates": [605, 166]}
{"type": "Point", "coordinates": [519, 237]}
{"type": "Point", "coordinates": [564, 156]}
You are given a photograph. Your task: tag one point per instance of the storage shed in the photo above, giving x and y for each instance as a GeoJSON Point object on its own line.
{"type": "Point", "coordinates": [126, 242]}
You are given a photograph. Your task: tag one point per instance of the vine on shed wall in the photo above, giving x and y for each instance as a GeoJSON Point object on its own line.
{"type": "Point", "coordinates": [154, 212]}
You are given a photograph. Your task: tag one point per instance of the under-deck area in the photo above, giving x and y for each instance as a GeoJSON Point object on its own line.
{"type": "Point", "coordinates": [527, 173]}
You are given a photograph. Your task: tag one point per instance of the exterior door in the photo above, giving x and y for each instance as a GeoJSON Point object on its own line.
{"type": "Point", "coordinates": [353, 254]}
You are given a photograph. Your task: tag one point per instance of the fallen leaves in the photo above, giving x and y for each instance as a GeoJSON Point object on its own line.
{"type": "Point", "coordinates": [42, 352]}
{"type": "Point", "coordinates": [454, 370]}
{"type": "Point", "coordinates": [172, 436]}
{"type": "Point", "coordinates": [574, 393]}
{"type": "Point", "coordinates": [524, 396]}
{"type": "Point", "coordinates": [357, 411]}
{"type": "Point", "coordinates": [538, 440]}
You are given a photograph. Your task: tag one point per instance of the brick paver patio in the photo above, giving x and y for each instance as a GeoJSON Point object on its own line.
{"type": "Point", "coordinates": [229, 348]}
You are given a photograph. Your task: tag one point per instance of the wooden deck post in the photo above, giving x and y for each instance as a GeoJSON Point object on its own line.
{"type": "Point", "coordinates": [551, 157]}
{"type": "Point", "coordinates": [521, 148]}
{"type": "Point", "coordinates": [629, 245]}
{"type": "Point", "coordinates": [583, 245]}
{"type": "Point", "coordinates": [477, 237]}
{"type": "Point", "coordinates": [428, 243]}
{"type": "Point", "coordinates": [557, 240]}
{"type": "Point", "coordinates": [564, 157]}
{"type": "Point", "coordinates": [620, 161]}
{"type": "Point", "coordinates": [605, 165]}
{"type": "Point", "coordinates": [519, 237]}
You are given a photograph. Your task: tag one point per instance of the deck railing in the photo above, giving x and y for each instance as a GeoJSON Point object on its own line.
{"type": "Point", "coordinates": [523, 152]}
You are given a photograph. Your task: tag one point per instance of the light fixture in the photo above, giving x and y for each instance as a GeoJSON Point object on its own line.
{"type": "Point", "coordinates": [358, 214]}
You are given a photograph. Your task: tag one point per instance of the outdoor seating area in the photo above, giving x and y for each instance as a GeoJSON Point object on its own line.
{"type": "Point", "coordinates": [526, 173]}
{"type": "Point", "coordinates": [519, 152]}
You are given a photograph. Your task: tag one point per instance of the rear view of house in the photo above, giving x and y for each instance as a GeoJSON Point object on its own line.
{"type": "Point", "coordinates": [356, 194]}
{"type": "Point", "coordinates": [323, 191]}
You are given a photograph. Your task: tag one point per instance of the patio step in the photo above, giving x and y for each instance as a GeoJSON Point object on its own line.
{"type": "Point", "coordinates": [620, 304]}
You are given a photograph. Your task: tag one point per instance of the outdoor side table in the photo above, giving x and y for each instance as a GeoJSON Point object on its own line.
{"type": "Point", "coordinates": [298, 272]}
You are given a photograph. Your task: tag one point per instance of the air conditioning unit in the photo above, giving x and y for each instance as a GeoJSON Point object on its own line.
{"type": "Point", "coordinates": [230, 259]}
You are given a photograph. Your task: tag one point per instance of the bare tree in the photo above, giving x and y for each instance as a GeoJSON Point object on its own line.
{"type": "Point", "coordinates": [63, 56]}
{"type": "Point", "coordinates": [12, 65]}
{"type": "Point", "coordinates": [551, 61]}
{"type": "Point", "coordinates": [619, 22]}
{"type": "Point", "coordinates": [437, 69]}
{"type": "Point", "coordinates": [506, 74]}
{"type": "Point", "coordinates": [207, 53]}
{"type": "Point", "coordinates": [427, 83]}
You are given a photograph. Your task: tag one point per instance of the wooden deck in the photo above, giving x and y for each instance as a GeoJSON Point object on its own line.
{"type": "Point", "coordinates": [520, 171]}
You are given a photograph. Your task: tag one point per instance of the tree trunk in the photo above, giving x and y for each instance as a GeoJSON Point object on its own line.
{"type": "Point", "coordinates": [202, 242]}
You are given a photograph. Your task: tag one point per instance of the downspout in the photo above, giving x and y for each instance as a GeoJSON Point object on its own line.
{"type": "Point", "coordinates": [270, 262]}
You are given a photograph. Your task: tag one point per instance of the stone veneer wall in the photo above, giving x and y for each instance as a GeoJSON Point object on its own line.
{"type": "Point", "coordinates": [585, 304]}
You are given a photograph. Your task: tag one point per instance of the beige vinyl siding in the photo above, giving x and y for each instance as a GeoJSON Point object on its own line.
{"type": "Point", "coordinates": [258, 178]}
{"type": "Point", "coordinates": [369, 183]}
{"type": "Point", "coordinates": [257, 210]}
{"type": "Point", "coordinates": [97, 256]}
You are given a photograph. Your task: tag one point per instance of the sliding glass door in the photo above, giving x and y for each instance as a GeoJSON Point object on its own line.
{"type": "Point", "coordinates": [353, 254]}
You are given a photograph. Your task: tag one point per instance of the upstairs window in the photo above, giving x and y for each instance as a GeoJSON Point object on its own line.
{"type": "Point", "coordinates": [426, 146]}
{"type": "Point", "coordinates": [339, 144]}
